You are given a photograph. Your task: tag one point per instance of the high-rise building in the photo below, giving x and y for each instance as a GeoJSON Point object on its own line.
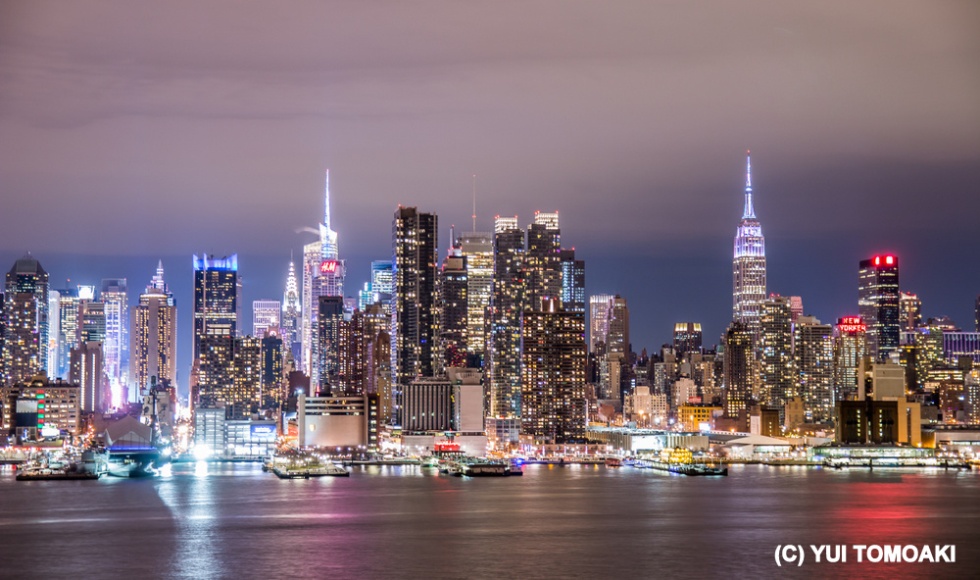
{"type": "Point", "coordinates": [246, 393]}
{"type": "Point", "coordinates": [116, 345]}
{"type": "Point", "coordinates": [67, 313]}
{"type": "Point", "coordinates": [272, 371]}
{"type": "Point", "coordinates": [216, 298]}
{"type": "Point", "coordinates": [503, 367]}
{"type": "Point", "coordinates": [909, 312]}
{"type": "Point", "coordinates": [455, 307]}
{"type": "Point", "coordinates": [553, 374]}
{"type": "Point", "coordinates": [849, 347]}
{"type": "Point", "coordinates": [353, 356]}
{"type": "Point", "coordinates": [25, 349]}
{"type": "Point", "coordinates": [215, 370]}
{"type": "Point", "coordinates": [477, 248]}
{"type": "Point", "coordinates": [311, 264]}
{"type": "Point", "coordinates": [415, 307]}
{"type": "Point", "coordinates": [154, 338]}
{"type": "Point", "coordinates": [878, 304]}
{"type": "Point", "coordinates": [617, 352]}
{"type": "Point", "coordinates": [572, 282]}
{"type": "Point", "coordinates": [687, 338]}
{"type": "Point", "coordinates": [739, 368]}
{"type": "Point", "coordinates": [92, 321]}
{"type": "Point", "coordinates": [796, 307]}
{"type": "Point", "coordinates": [749, 264]}
{"type": "Point", "coordinates": [54, 331]}
{"type": "Point", "coordinates": [292, 319]}
{"type": "Point", "coordinates": [542, 260]}
{"type": "Point", "coordinates": [779, 379]}
{"type": "Point", "coordinates": [330, 316]}
{"type": "Point", "coordinates": [815, 361]}
{"type": "Point", "coordinates": [265, 317]}
{"type": "Point", "coordinates": [598, 319]}
{"type": "Point", "coordinates": [87, 372]}
{"type": "Point", "coordinates": [382, 280]}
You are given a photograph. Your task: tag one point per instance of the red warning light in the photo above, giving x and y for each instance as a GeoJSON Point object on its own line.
{"type": "Point", "coordinates": [889, 260]}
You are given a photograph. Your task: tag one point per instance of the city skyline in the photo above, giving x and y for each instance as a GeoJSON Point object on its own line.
{"type": "Point", "coordinates": [862, 121]}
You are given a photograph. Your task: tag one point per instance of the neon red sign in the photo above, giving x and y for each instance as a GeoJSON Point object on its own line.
{"type": "Point", "coordinates": [889, 260]}
{"type": "Point", "coordinates": [328, 266]}
{"type": "Point", "coordinates": [851, 325]}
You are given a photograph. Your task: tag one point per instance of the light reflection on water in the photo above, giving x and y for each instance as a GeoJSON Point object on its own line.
{"type": "Point", "coordinates": [216, 520]}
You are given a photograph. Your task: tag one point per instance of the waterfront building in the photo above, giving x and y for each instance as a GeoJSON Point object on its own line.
{"type": "Point", "coordinates": [477, 251]}
{"type": "Point", "coordinates": [878, 422]}
{"type": "Point", "coordinates": [749, 264]}
{"type": "Point", "coordinates": [428, 405]}
{"type": "Point", "coordinates": [25, 340]}
{"type": "Point", "coordinates": [216, 360]}
{"type": "Point", "coordinates": [154, 338]}
{"type": "Point", "coordinates": [415, 309]}
{"type": "Point", "coordinates": [779, 372]}
{"type": "Point", "coordinates": [815, 361]}
{"type": "Point", "coordinates": [266, 316]}
{"type": "Point", "coordinates": [909, 312]}
{"type": "Point", "coordinates": [354, 358]}
{"type": "Point", "coordinates": [116, 346]}
{"type": "Point", "coordinates": [739, 368]}
{"type": "Point", "coordinates": [693, 417]}
{"type": "Point", "coordinates": [878, 304]}
{"type": "Point", "coordinates": [87, 371]}
{"type": "Point", "coordinates": [503, 368]}
{"type": "Point", "coordinates": [336, 423]}
{"type": "Point", "coordinates": [244, 396]}
{"type": "Point", "coordinates": [39, 407]}
{"type": "Point", "coordinates": [553, 374]}
{"type": "Point", "coordinates": [687, 338]}
{"type": "Point", "coordinates": [598, 319]}
{"type": "Point", "coordinates": [849, 352]}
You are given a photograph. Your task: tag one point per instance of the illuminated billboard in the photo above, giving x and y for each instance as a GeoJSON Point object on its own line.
{"type": "Point", "coordinates": [851, 325]}
{"type": "Point", "coordinates": [329, 266]}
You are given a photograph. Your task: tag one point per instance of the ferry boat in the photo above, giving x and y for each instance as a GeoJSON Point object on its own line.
{"type": "Point", "coordinates": [330, 470]}
{"type": "Point", "coordinates": [614, 462]}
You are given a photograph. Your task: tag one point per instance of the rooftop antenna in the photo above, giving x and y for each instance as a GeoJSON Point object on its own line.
{"type": "Point", "coordinates": [474, 202]}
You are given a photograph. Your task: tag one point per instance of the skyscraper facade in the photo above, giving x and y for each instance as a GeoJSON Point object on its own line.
{"type": "Point", "coordinates": [909, 312]}
{"type": "Point", "coordinates": [553, 374]}
{"type": "Point", "coordinates": [154, 338]}
{"type": "Point", "coordinates": [542, 261]}
{"type": "Point", "coordinates": [266, 317]}
{"type": "Point", "coordinates": [815, 361]}
{"type": "Point", "coordinates": [415, 308]}
{"type": "Point", "coordinates": [572, 282]}
{"type": "Point", "coordinates": [749, 264]}
{"type": "Point", "coordinates": [850, 342]}
{"type": "Point", "coordinates": [477, 249]}
{"type": "Point", "coordinates": [503, 366]}
{"type": "Point", "coordinates": [687, 338]}
{"type": "Point", "coordinates": [779, 377]}
{"type": "Point", "coordinates": [68, 307]}
{"type": "Point", "coordinates": [330, 316]}
{"type": "Point", "coordinates": [291, 320]}
{"type": "Point", "coordinates": [87, 372]}
{"type": "Point", "coordinates": [739, 368]}
{"type": "Point", "coordinates": [453, 286]}
{"type": "Point", "coordinates": [25, 349]}
{"type": "Point", "coordinates": [878, 304]}
{"type": "Point", "coordinates": [598, 319]}
{"type": "Point", "coordinates": [216, 298]}
{"type": "Point", "coordinates": [116, 346]}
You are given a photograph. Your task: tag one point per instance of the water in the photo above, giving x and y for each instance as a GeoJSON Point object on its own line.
{"type": "Point", "coordinates": [234, 521]}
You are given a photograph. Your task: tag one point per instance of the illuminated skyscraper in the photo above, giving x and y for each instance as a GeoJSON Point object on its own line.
{"type": "Point", "coordinates": [542, 262]}
{"type": "Point", "coordinates": [503, 360]}
{"type": "Point", "coordinates": [553, 374]}
{"type": "Point", "coordinates": [87, 372]}
{"type": "Point", "coordinates": [572, 282]}
{"type": "Point", "coordinates": [68, 307]}
{"type": "Point", "coordinates": [849, 348]}
{"type": "Point", "coordinates": [598, 319]}
{"type": "Point", "coordinates": [265, 317]}
{"type": "Point", "coordinates": [25, 349]}
{"type": "Point", "coordinates": [216, 298]}
{"type": "Point", "coordinates": [617, 349]}
{"type": "Point", "coordinates": [452, 289]}
{"type": "Point", "coordinates": [154, 344]}
{"type": "Point", "coordinates": [779, 377]}
{"type": "Point", "coordinates": [292, 318]}
{"type": "Point", "coordinates": [382, 280]}
{"type": "Point", "coordinates": [323, 275]}
{"type": "Point", "coordinates": [477, 248]}
{"type": "Point", "coordinates": [92, 321]}
{"type": "Point", "coordinates": [687, 338]}
{"type": "Point", "coordinates": [329, 319]}
{"type": "Point", "coordinates": [878, 304]}
{"type": "Point", "coordinates": [815, 361]}
{"type": "Point", "coordinates": [749, 265]}
{"type": "Point", "coordinates": [116, 345]}
{"type": "Point", "coordinates": [415, 309]}
{"type": "Point", "coordinates": [909, 312]}
{"type": "Point", "coordinates": [739, 368]}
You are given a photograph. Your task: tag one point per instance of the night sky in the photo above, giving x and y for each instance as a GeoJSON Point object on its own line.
{"type": "Point", "coordinates": [138, 131]}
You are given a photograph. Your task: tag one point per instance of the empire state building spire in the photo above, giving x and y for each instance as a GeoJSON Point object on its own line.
{"type": "Point", "coordinates": [749, 212]}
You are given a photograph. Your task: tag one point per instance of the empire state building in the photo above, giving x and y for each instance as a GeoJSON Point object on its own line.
{"type": "Point", "coordinates": [749, 263]}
